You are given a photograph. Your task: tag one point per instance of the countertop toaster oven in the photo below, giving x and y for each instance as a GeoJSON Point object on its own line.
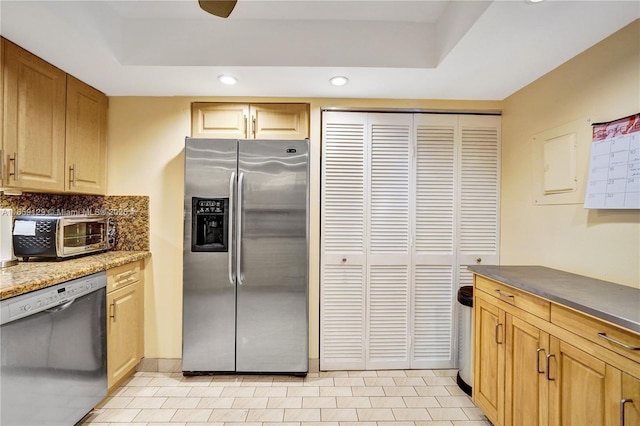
{"type": "Point", "coordinates": [60, 236]}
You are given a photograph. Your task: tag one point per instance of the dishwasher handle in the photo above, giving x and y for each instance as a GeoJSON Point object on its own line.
{"type": "Point", "coordinates": [61, 307]}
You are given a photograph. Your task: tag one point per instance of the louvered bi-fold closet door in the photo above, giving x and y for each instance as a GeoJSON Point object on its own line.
{"type": "Point", "coordinates": [434, 256]}
{"type": "Point", "coordinates": [478, 196]}
{"type": "Point", "coordinates": [405, 209]}
{"type": "Point", "coordinates": [342, 284]}
{"type": "Point", "coordinates": [479, 193]}
{"type": "Point", "coordinates": [389, 255]}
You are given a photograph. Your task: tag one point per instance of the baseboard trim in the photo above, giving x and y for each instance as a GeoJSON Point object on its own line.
{"type": "Point", "coordinates": [174, 365]}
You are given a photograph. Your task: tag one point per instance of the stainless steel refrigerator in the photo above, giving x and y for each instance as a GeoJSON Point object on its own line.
{"type": "Point", "coordinates": [245, 263]}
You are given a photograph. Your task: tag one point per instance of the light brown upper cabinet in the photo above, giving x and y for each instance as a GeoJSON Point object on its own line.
{"type": "Point", "coordinates": [2, 159]}
{"type": "Point", "coordinates": [53, 128]}
{"type": "Point", "coordinates": [249, 121]}
{"type": "Point", "coordinates": [86, 138]}
{"type": "Point", "coordinates": [34, 121]}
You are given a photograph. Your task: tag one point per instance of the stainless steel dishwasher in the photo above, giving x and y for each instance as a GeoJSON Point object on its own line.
{"type": "Point", "coordinates": [53, 351]}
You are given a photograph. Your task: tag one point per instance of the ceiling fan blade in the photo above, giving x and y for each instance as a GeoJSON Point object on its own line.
{"type": "Point", "coordinates": [221, 8]}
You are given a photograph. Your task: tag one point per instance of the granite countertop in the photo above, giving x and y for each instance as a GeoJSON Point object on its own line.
{"type": "Point", "coordinates": [615, 303]}
{"type": "Point", "coordinates": [36, 274]}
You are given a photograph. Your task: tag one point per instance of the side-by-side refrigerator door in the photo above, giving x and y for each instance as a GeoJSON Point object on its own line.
{"type": "Point", "coordinates": [208, 331]}
{"type": "Point", "coordinates": [272, 256]}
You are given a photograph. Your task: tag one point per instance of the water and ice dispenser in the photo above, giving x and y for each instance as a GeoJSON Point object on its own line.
{"type": "Point", "coordinates": [210, 226]}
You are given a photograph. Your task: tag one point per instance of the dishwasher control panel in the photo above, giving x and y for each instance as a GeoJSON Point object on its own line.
{"type": "Point", "coordinates": [50, 297]}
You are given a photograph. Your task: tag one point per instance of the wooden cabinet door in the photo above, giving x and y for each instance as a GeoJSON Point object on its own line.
{"type": "Point", "coordinates": [243, 121]}
{"type": "Point", "coordinates": [489, 352]}
{"type": "Point", "coordinates": [577, 387]}
{"type": "Point", "coordinates": [279, 121]}
{"type": "Point", "coordinates": [3, 157]}
{"type": "Point", "coordinates": [219, 120]}
{"type": "Point", "coordinates": [525, 380]}
{"type": "Point", "coordinates": [123, 332]}
{"type": "Point", "coordinates": [630, 401]}
{"type": "Point", "coordinates": [34, 121]}
{"type": "Point", "coordinates": [86, 138]}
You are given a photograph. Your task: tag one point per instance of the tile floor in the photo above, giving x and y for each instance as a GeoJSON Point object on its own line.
{"type": "Point", "coordinates": [364, 398]}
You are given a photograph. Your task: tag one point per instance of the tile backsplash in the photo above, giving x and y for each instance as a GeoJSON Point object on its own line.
{"type": "Point", "coordinates": [130, 212]}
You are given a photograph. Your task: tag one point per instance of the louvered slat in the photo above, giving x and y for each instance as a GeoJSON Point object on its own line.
{"type": "Point", "coordinates": [343, 195]}
{"type": "Point", "coordinates": [388, 316]}
{"type": "Point", "coordinates": [435, 189]}
{"type": "Point", "coordinates": [389, 212]}
{"type": "Point", "coordinates": [433, 316]}
{"type": "Point", "coordinates": [479, 186]}
{"type": "Point", "coordinates": [465, 276]}
{"type": "Point", "coordinates": [342, 321]}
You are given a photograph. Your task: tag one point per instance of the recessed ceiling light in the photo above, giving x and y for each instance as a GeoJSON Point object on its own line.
{"type": "Point", "coordinates": [338, 80]}
{"type": "Point", "coordinates": [229, 80]}
{"type": "Point", "coordinates": [533, 1]}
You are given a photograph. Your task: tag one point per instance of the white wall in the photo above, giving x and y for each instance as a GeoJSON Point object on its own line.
{"type": "Point", "coordinates": [145, 157]}
{"type": "Point", "coordinates": [601, 84]}
{"type": "Point", "coordinates": [146, 139]}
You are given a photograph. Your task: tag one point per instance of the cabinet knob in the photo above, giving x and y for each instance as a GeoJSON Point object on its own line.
{"type": "Point", "coordinates": [344, 260]}
{"type": "Point", "coordinates": [479, 260]}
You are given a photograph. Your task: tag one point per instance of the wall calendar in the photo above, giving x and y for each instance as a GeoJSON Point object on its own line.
{"type": "Point", "coordinates": [614, 167]}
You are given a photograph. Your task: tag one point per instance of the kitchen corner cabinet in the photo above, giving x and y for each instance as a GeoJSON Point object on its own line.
{"type": "Point", "coordinates": [249, 121]}
{"type": "Point", "coordinates": [532, 364]}
{"type": "Point", "coordinates": [125, 317]}
{"type": "Point", "coordinates": [508, 389]}
{"type": "Point", "coordinates": [54, 127]}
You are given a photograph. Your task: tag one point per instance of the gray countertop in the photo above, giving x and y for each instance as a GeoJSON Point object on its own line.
{"type": "Point", "coordinates": [615, 303]}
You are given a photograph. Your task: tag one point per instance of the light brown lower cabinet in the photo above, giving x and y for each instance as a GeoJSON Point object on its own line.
{"type": "Point", "coordinates": [584, 390]}
{"type": "Point", "coordinates": [578, 387]}
{"type": "Point", "coordinates": [125, 312]}
{"type": "Point", "coordinates": [488, 359]}
{"type": "Point", "coordinates": [629, 400]}
{"type": "Point", "coordinates": [508, 386]}
{"type": "Point", "coordinates": [532, 369]}
{"type": "Point", "coordinates": [525, 386]}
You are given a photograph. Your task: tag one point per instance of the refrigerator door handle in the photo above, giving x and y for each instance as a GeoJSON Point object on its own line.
{"type": "Point", "coordinates": [232, 185]}
{"type": "Point", "coordinates": [239, 230]}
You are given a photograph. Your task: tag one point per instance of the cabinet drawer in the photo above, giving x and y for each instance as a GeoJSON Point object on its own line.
{"type": "Point", "coordinates": [620, 340]}
{"type": "Point", "coordinates": [520, 299]}
{"type": "Point", "coordinates": [123, 275]}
